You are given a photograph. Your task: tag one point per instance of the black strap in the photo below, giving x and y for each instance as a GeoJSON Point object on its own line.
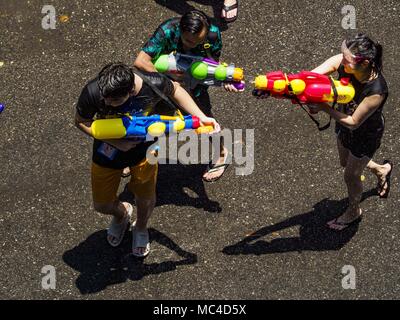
{"type": "Point", "coordinates": [208, 53]}
{"type": "Point", "coordinates": [335, 94]}
{"type": "Point", "coordinates": [296, 98]}
{"type": "Point", "coordinates": [172, 104]}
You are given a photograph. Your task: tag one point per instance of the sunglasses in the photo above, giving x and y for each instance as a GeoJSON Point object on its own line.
{"type": "Point", "coordinates": [349, 56]}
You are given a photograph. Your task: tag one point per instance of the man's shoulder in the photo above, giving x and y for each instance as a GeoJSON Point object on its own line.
{"type": "Point", "coordinates": [143, 73]}
{"type": "Point", "coordinates": [153, 77]}
{"type": "Point", "coordinates": [90, 101]}
{"type": "Point", "coordinates": [170, 24]}
{"type": "Point", "coordinates": [214, 34]}
{"type": "Point", "coordinates": [153, 81]}
{"type": "Point", "coordinates": [92, 88]}
{"type": "Point", "coordinates": [91, 94]}
{"type": "Point", "coordinates": [214, 28]}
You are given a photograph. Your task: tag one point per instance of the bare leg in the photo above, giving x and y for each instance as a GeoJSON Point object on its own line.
{"type": "Point", "coordinates": [343, 153]}
{"type": "Point", "coordinates": [353, 171]}
{"type": "Point", "coordinates": [117, 209]}
{"type": "Point", "coordinates": [222, 155]}
{"type": "Point", "coordinates": [145, 208]}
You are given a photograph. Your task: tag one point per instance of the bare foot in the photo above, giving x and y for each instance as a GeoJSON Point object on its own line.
{"type": "Point", "coordinates": [126, 172]}
{"type": "Point", "coordinates": [345, 220]}
{"type": "Point", "coordinates": [382, 174]}
{"type": "Point", "coordinates": [231, 13]}
{"type": "Point", "coordinates": [214, 172]}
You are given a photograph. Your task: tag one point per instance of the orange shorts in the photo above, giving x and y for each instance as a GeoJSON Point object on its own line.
{"type": "Point", "coordinates": [105, 181]}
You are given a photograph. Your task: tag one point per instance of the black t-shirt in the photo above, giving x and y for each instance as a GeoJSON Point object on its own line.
{"type": "Point", "coordinates": [374, 123]}
{"type": "Point", "coordinates": [91, 105]}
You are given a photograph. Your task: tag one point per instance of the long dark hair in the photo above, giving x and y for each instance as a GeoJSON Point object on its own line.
{"type": "Point", "coordinates": [362, 46]}
{"type": "Point", "coordinates": [194, 22]}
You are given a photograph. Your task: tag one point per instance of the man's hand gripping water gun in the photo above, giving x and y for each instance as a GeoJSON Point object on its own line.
{"type": "Point", "coordinates": [199, 70]}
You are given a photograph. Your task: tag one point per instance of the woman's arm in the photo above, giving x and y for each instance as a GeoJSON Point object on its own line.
{"type": "Point", "coordinates": [330, 65]}
{"type": "Point", "coordinates": [363, 111]}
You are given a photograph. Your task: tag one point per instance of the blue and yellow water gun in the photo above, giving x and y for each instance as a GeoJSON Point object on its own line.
{"type": "Point", "coordinates": [141, 126]}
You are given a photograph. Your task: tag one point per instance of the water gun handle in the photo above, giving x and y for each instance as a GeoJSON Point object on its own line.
{"type": "Point", "coordinates": [204, 129]}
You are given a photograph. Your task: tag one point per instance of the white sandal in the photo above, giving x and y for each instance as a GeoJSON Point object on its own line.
{"type": "Point", "coordinates": [117, 230]}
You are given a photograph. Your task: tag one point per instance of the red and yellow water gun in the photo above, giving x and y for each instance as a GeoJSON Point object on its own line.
{"type": "Point", "coordinates": [305, 87]}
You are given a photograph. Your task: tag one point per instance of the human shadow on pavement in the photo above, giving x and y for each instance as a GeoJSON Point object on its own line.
{"type": "Point", "coordinates": [180, 185]}
{"type": "Point", "coordinates": [182, 6]}
{"type": "Point", "coordinates": [101, 265]}
{"type": "Point", "coordinates": [314, 235]}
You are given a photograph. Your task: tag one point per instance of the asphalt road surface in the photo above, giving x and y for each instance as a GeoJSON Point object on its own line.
{"type": "Point", "coordinates": [256, 236]}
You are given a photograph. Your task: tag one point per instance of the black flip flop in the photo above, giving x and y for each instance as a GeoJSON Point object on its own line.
{"type": "Point", "coordinates": [216, 168]}
{"type": "Point", "coordinates": [387, 180]}
{"type": "Point", "coordinates": [229, 8]}
{"type": "Point", "coordinates": [345, 225]}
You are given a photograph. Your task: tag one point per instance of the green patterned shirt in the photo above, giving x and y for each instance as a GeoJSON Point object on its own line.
{"type": "Point", "coordinates": [167, 38]}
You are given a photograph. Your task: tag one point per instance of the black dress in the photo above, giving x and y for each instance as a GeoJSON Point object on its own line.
{"type": "Point", "coordinates": [366, 139]}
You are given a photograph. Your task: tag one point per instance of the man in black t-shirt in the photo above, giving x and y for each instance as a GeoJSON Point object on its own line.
{"type": "Point", "coordinates": [117, 91]}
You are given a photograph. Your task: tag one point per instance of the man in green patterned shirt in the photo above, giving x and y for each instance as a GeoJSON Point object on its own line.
{"type": "Point", "coordinates": [191, 34]}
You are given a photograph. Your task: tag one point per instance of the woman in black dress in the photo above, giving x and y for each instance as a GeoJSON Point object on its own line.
{"type": "Point", "coordinates": [359, 124]}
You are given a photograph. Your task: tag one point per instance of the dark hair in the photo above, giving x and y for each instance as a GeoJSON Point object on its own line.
{"type": "Point", "coordinates": [363, 47]}
{"type": "Point", "coordinates": [194, 22]}
{"type": "Point", "coordinates": [116, 80]}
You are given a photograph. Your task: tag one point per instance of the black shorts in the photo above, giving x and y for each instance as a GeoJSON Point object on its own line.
{"type": "Point", "coordinates": [360, 144]}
